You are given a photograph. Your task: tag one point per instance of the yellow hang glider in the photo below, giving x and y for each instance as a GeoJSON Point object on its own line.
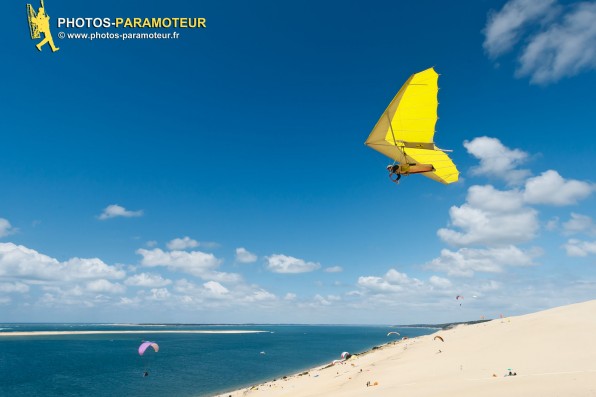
{"type": "Point", "coordinates": [405, 132]}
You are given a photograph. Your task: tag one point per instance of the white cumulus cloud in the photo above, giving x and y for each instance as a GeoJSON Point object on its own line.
{"type": "Point", "coordinates": [392, 281]}
{"type": "Point", "coordinates": [551, 188]}
{"type": "Point", "coordinates": [245, 256]}
{"type": "Point", "coordinates": [467, 261]}
{"type": "Point", "coordinates": [288, 264]}
{"type": "Point", "coordinates": [557, 40]}
{"type": "Point", "coordinates": [497, 160]}
{"type": "Point", "coordinates": [159, 294]}
{"type": "Point", "coordinates": [13, 288]}
{"type": "Point", "coordinates": [17, 261]}
{"type": "Point", "coordinates": [147, 280]}
{"type": "Point", "coordinates": [565, 48]}
{"type": "Point", "coordinates": [115, 210]}
{"type": "Point", "coordinates": [215, 289]}
{"type": "Point", "coordinates": [490, 217]}
{"type": "Point", "coordinates": [182, 243]}
{"type": "Point", "coordinates": [259, 296]}
{"type": "Point", "coordinates": [439, 282]}
{"type": "Point", "coordinates": [579, 224]}
{"type": "Point", "coordinates": [196, 263]}
{"type": "Point", "coordinates": [575, 247]}
{"type": "Point", "coordinates": [215, 295]}
{"type": "Point", "coordinates": [106, 286]}
{"type": "Point", "coordinates": [326, 300]}
{"type": "Point", "coordinates": [505, 27]}
{"type": "Point", "coordinates": [6, 228]}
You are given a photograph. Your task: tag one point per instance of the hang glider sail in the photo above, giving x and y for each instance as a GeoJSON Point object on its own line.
{"type": "Point", "coordinates": [406, 129]}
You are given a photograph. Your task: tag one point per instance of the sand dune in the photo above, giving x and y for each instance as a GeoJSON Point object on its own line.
{"type": "Point", "coordinates": [553, 353]}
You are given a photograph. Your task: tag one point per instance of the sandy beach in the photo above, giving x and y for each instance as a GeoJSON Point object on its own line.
{"type": "Point", "coordinates": [551, 352]}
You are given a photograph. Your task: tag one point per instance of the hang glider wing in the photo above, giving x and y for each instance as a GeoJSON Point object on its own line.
{"type": "Point", "coordinates": [406, 129]}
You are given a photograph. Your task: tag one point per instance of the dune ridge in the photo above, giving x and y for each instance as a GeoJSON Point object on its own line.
{"type": "Point", "coordinates": [552, 352]}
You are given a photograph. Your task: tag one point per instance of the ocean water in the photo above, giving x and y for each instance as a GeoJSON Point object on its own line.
{"type": "Point", "coordinates": [187, 365]}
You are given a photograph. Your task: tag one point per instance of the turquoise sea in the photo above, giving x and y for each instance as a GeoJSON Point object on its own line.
{"type": "Point", "coordinates": [186, 365]}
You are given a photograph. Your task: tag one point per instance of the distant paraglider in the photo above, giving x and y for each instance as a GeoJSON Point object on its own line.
{"type": "Point", "coordinates": [459, 298]}
{"type": "Point", "coordinates": [439, 338]}
{"type": "Point", "coordinates": [142, 349]}
{"type": "Point", "coordinates": [145, 345]}
{"type": "Point", "coordinates": [393, 333]}
{"type": "Point", "coordinates": [345, 355]}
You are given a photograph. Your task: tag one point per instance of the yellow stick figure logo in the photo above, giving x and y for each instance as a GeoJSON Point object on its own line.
{"type": "Point", "coordinates": [40, 23]}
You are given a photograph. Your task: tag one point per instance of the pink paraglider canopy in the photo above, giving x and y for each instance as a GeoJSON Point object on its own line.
{"type": "Point", "coordinates": [145, 345]}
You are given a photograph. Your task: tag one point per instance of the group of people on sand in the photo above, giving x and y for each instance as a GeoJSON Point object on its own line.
{"type": "Point", "coordinates": [508, 374]}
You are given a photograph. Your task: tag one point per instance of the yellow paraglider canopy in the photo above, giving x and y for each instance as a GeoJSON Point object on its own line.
{"type": "Point", "coordinates": [406, 129]}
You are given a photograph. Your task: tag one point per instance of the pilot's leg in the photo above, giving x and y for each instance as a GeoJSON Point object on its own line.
{"type": "Point", "coordinates": [52, 45]}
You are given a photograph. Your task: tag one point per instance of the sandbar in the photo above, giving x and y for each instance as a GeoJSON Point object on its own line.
{"type": "Point", "coordinates": [47, 333]}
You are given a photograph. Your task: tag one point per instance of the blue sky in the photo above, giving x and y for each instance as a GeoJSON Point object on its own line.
{"type": "Point", "coordinates": [222, 176]}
